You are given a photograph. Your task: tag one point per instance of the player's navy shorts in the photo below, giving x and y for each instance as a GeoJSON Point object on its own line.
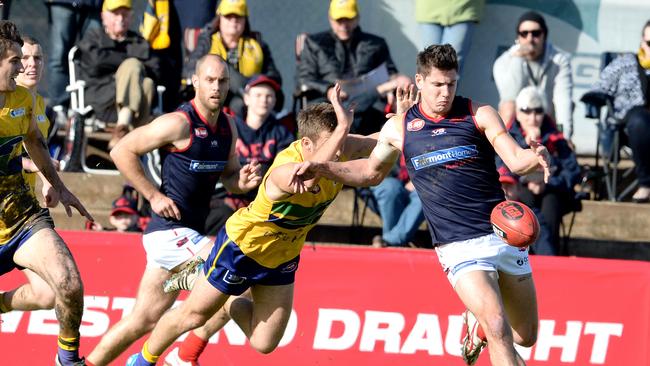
{"type": "Point", "coordinates": [230, 271]}
{"type": "Point", "coordinates": [40, 220]}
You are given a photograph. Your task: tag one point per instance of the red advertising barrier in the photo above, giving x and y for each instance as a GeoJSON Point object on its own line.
{"type": "Point", "coordinates": [364, 306]}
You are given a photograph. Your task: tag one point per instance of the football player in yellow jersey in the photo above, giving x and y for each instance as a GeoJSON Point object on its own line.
{"type": "Point", "coordinates": [33, 64]}
{"type": "Point", "coordinates": [27, 237]}
{"type": "Point", "coordinates": [260, 244]}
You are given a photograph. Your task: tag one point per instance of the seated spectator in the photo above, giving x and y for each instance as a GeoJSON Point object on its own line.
{"type": "Point", "coordinates": [400, 209]}
{"type": "Point", "coordinates": [344, 54]}
{"type": "Point", "coordinates": [124, 215]}
{"type": "Point", "coordinates": [549, 200]}
{"type": "Point", "coordinates": [229, 35]}
{"type": "Point", "coordinates": [260, 137]}
{"type": "Point", "coordinates": [627, 80]}
{"type": "Point", "coordinates": [533, 60]}
{"type": "Point", "coordinates": [119, 69]}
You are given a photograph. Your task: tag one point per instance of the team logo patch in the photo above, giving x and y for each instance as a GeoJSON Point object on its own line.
{"type": "Point", "coordinates": [214, 143]}
{"type": "Point", "coordinates": [201, 132]}
{"type": "Point", "coordinates": [289, 267]}
{"type": "Point", "coordinates": [414, 125]}
{"type": "Point", "coordinates": [438, 132]}
{"type": "Point", "coordinates": [232, 278]}
{"type": "Point", "coordinates": [40, 118]}
{"type": "Point", "coordinates": [17, 112]}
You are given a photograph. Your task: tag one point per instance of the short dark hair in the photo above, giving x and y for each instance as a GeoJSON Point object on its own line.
{"type": "Point", "coordinates": [30, 40]}
{"type": "Point", "coordinates": [8, 35]}
{"type": "Point", "coordinates": [533, 16]}
{"type": "Point", "coordinates": [315, 119]}
{"type": "Point", "coordinates": [442, 57]}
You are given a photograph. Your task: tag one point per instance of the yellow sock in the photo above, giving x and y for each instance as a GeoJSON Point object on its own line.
{"type": "Point", "coordinates": [147, 355]}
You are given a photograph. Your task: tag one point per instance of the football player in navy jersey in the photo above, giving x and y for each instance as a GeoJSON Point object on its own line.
{"type": "Point", "coordinates": [449, 143]}
{"type": "Point", "coordinates": [197, 146]}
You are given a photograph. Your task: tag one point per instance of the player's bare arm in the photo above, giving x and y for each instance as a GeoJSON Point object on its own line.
{"type": "Point", "coordinates": [37, 149]}
{"type": "Point", "coordinates": [360, 172]}
{"type": "Point", "coordinates": [236, 178]}
{"type": "Point", "coordinates": [519, 161]}
{"type": "Point", "coordinates": [170, 130]}
{"type": "Point", "coordinates": [336, 141]}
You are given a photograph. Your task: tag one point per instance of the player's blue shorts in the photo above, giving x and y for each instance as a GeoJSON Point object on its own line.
{"type": "Point", "coordinates": [230, 271]}
{"type": "Point", "coordinates": [40, 220]}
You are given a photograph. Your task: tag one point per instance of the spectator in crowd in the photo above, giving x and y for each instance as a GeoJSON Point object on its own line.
{"type": "Point", "coordinates": [229, 35]}
{"type": "Point", "coordinates": [33, 64]}
{"type": "Point", "coordinates": [68, 21]}
{"type": "Point", "coordinates": [119, 69]}
{"type": "Point", "coordinates": [193, 15]}
{"type": "Point", "coordinates": [345, 53]}
{"type": "Point", "coordinates": [124, 216]}
{"type": "Point", "coordinates": [260, 137]}
{"type": "Point", "coordinates": [444, 21]}
{"type": "Point", "coordinates": [533, 60]}
{"type": "Point", "coordinates": [627, 80]}
{"type": "Point", "coordinates": [553, 199]}
{"type": "Point", "coordinates": [400, 209]}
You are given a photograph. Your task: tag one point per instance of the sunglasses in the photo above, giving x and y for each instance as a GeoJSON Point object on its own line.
{"type": "Point", "coordinates": [536, 33]}
{"type": "Point", "coordinates": [538, 110]}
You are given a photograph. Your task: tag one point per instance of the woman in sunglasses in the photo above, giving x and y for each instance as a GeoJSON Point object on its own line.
{"type": "Point", "coordinates": [549, 200]}
{"type": "Point", "coordinates": [533, 60]}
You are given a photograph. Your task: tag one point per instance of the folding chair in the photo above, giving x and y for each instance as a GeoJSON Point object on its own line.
{"type": "Point", "coordinates": [610, 141]}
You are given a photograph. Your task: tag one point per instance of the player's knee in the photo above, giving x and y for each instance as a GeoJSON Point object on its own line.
{"type": "Point", "coordinates": [264, 346]}
{"type": "Point", "coordinates": [496, 326]}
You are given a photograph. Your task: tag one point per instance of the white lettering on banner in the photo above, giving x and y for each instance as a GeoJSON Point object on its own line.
{"type": "Point", "coordinates": [339, 330]}
{"type": "Point", "coordinates": [602, 333]}
{"type": "Point", "coordinates": [9, 321]}
{"type": "Point", "coordinates": [425, 336]}
{"type": "Point", "coordinates": [570, 341]}
{"type": "Point", "coordinates": [323, 338]}
{"type": "Point", "coordinates": [382, 326]}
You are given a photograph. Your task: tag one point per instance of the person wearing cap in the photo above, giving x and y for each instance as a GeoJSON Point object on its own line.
{"type": "Point", "coordinates": [553, 199]}
{"type": "Point", "coordinates": [68, 21]}
{"type": "Point", "coordinates": [119, 69]}
{"type": "Point", "coordinates": [534, 60]}
{"type": "Point", "coordinates": [343, 53]}
{"type": "Point", "coordinates": [229, 35]}
{"type": "Point", "coordinates": [124, 215]}
{"type": "Point", "coordinates": [260, 137]}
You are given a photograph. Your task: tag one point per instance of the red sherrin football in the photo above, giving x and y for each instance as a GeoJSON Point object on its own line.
{"type": "Point", "coordinates": [515, 223]}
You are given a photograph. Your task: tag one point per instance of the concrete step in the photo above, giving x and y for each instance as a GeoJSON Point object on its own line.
{"type": "Point", "coordinates": [598, 220]}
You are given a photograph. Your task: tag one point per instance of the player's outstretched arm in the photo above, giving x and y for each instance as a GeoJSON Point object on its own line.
{"type": "Point", "coordinates": [357, 173]}
{"type": "Point", "coordinates": [167, 131]}
{"type": "Point", "coordinates": [519, 161]}
{"type": "Point", "coordinates": [37, 149]}
{"type": "Point", "coordinates": [344, 119]}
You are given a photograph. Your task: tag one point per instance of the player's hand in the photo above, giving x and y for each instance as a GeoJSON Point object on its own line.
{"type": "Point", "coordinates": [250, 176]}
{"type": "Point", "coordinates": [331, 93]}
{"type": "Point", "coordinates": [536, 187]}
{"type": "Point", "coordinates": [304, 177]}
{"type": "Point", "coordinates": [68, 200]}
{"type": "Point", "coordinates": [164, 206]}
{"type": "Point", "coordinates": [543, 157]}
{"type": "Point", "coordinates": [343, 117]}
{"type": "Point", "coordinates": [407, 97]}
{"type": "Point", "coordinates": [50, 195]}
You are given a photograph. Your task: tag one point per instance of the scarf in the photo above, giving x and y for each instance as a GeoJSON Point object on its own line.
{"type": "Point", "coordinates": [249, 52]}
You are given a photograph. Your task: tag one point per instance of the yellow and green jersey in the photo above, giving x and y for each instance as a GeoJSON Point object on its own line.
{"type": "Point", "coordinates": [273, 232]}
{"type": "Point", "coordinates": [17, 201]}
{"type": "Point", "coordinates": [43, 124]}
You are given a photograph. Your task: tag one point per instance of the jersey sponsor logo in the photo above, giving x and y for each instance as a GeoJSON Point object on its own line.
{"type": "Point", "coordinates": [17, 112]}
{"type": "Point", "coordinates": [444, 156]}
{"type": "Point", "coordinates": [232, 278]}
{"type": "Point", "coordinates": [214, 143]}
{"type": "Point", "coordinates": [205, 166]}
{"type": "Point", "coordinates": [438, 132]}
{"type": "Point", "coordinates": [40, 118]}
{"type": "Point", "coordinates": [201, 132]}
{"type": "Point", "coordinates": [414, 125]}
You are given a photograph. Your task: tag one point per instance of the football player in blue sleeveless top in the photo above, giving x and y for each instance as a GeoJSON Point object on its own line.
{"type": "Point", "coordinates": [449, 143]}
{"type": "Point", "coordinates": [197, 144]}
